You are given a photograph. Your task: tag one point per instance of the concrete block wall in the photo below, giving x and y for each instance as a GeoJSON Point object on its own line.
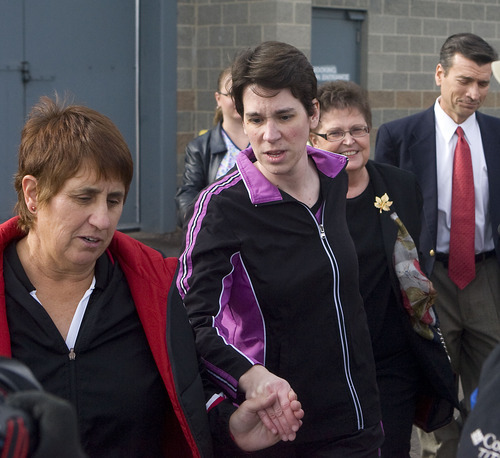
{"type": "Point", "coordinates": [402, 37]}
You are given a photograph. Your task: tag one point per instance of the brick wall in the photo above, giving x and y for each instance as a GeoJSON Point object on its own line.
{"type": "Point", "coordinates": [402, 37]}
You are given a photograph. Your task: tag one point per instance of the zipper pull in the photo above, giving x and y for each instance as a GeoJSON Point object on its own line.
{"type": "Point", "coordinates": [72, 354]}
{"type": "Point", "coordinates": [322, 231]}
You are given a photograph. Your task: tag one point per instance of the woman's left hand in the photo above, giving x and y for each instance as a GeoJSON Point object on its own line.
{"type": "Point", "coordinates": [278, 417]}
{"type": "Point", "coordinates": [247, 428]}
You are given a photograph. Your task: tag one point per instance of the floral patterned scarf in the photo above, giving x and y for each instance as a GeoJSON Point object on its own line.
{"type": "Point", "coordinates": [416, 289]}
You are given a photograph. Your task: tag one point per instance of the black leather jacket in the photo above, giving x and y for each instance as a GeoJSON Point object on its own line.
{"type": "Point", "coordinates": [203, 157]}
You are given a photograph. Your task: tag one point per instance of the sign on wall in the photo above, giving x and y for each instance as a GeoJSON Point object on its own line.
{"type": "Point", "coordinates": [329, 73]}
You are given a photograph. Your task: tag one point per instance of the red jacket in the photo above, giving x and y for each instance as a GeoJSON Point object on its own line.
{"type": "Point", "coordinates": [149, 277]}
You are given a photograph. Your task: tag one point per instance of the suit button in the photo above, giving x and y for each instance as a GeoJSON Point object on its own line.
{"type": "Point", "coordinates": [432, 253]}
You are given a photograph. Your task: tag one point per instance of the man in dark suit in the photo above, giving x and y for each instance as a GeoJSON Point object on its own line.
{"type": "Point", "coordinates": [424, 143]}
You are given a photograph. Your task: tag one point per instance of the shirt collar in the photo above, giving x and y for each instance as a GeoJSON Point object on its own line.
{"type": "Point", "coordinates": [261, 190]}
{"type": "Point", "coordinates": [448, 127]}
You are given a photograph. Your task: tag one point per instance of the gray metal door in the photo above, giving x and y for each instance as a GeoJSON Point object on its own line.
{"type": "Point", "coordinates": [336, 44]}
{"type": "Point", "coordinates": [85, 49]}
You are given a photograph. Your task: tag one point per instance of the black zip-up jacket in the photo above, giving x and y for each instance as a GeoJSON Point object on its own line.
{"type": "Point", "coordinates": [169, 336]}
{"type": "Point", "coordinates": [264, 282]}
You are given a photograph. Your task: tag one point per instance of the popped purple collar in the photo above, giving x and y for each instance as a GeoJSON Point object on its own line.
{"type": "Point", "coordinates": [261, 190]}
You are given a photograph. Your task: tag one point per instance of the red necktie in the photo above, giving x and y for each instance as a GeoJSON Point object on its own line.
{"type": "Point", "coordinates": [461, 263]}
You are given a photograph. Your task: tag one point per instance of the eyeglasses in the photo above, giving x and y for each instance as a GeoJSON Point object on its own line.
{"type": "Point", "coordinates": [337, 134]}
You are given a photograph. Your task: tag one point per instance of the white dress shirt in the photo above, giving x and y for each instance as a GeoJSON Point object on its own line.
{"type": "Point", "coordinates": [446, 140]}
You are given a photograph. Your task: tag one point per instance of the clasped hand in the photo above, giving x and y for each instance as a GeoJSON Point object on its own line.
{"type": "Point", "coordinates": [282, 414]}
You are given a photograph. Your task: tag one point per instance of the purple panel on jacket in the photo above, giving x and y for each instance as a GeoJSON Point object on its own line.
{"type": "Point", "coordinates": [240, 321]}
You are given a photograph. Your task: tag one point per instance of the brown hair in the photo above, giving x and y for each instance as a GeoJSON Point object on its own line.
{"type": "Point", "coordinates": [470, 46]}
{"type": "Point", "coordinates": [57, 141]}
{"type": "Point", "coordinates": [274, 65]}
{"type": "Point", "coordinates": [342, 95]}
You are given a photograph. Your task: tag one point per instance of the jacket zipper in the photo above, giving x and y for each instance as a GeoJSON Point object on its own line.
{"type": "Point", "coordinates": [72, 377]}
{"type": "Point", "coordinates": [340, 320]}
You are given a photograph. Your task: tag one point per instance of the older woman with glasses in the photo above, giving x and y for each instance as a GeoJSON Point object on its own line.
{"type": "Point", "coordinates": [411, 366]}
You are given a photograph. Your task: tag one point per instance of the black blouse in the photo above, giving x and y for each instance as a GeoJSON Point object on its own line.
{"type": "Point", "coordinates": [382, 309]}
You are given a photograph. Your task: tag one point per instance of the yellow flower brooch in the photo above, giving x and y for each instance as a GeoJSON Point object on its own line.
{"type": "Point", "coordinates": [383, 203]}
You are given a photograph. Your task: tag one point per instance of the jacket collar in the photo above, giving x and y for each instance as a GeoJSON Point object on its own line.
{"type": "Point", "coordinates": [217, 143]}
{"type": "Point", "coordinates": [261, 190]}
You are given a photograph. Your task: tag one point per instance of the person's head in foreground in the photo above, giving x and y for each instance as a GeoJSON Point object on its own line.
{"type": "Point", "coordinates": [73, 177]}
{"type": "Point", "coordinates": [274, 90]}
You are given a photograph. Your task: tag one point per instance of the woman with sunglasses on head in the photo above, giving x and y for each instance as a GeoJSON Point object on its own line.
{"type": "Point", "coordinates": [212, 154]}
{"type": "Point", "coordinates": [408, 364]}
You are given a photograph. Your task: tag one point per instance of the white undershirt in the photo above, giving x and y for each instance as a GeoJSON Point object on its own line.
{"type": "Point", "coordinates": [77, 317]}
{"type": "Point", "coordinates": [446, 140]}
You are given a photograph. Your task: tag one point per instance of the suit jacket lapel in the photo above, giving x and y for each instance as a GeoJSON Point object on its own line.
{"type": "Point", "coordinates": [422, 149]}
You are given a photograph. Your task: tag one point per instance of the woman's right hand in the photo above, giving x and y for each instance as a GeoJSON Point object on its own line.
{"type": "Point", "coordinates": [279, 417]}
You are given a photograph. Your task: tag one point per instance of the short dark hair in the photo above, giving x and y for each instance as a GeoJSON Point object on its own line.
{"type": "Point", "coordinates": [274, 65]}
{"type": "Point", "coordinates": [57, 141]}
{"type": "Point", "coordinates": [470, 46]}
{"type": "Point", "coordinates": [342, 95]}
